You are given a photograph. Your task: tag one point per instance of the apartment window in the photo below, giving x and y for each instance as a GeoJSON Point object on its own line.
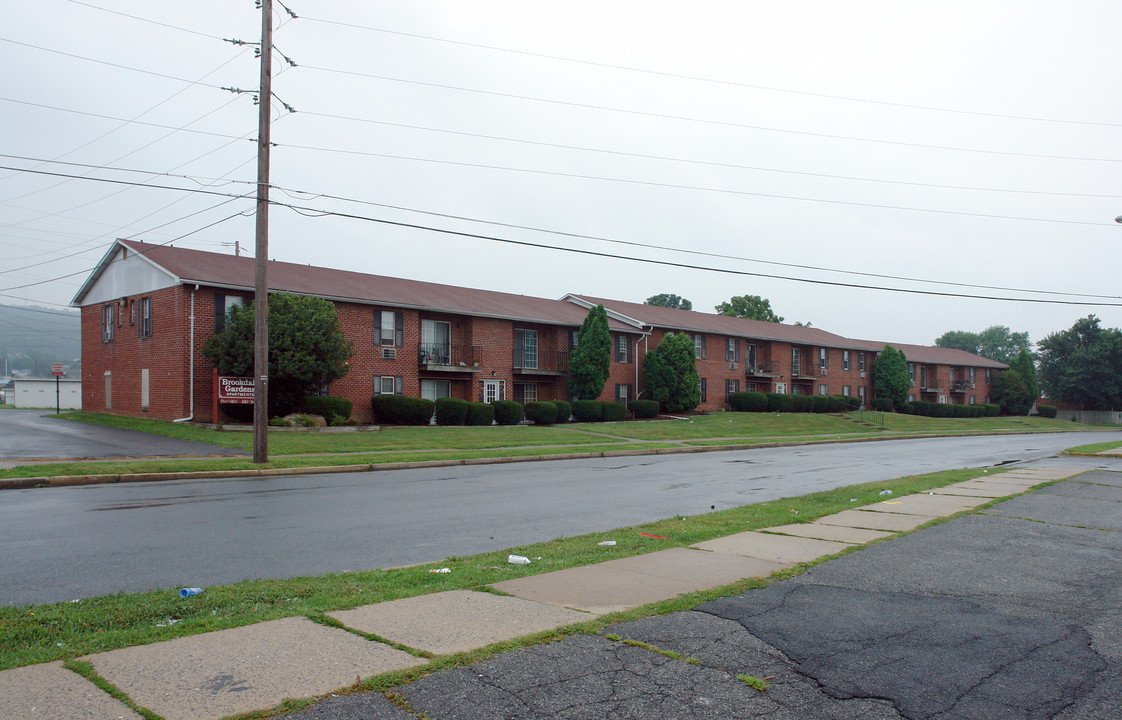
{"type": "Point", "coordinates": [388, 328]}
{"type": "Point", "coordinates": [574, 339]}
{"type": "Point", "coordinates": [389, 385]}
{"type": "Point", "coordinates": [623, 349]}
{"type": "Point", "coordinates": [972, 400]}
{"type": "Point", "coordinates": [699, 346]}
{"type": "Point", "coordinates": [923, 376]}
{"type": "Point", "coordinates": [223, 304]}
{"type": "Point", "coordinates": [823, 389]}
{"type": "Point", "coordinates": [750, 356]}
{"type": "Point", "coordinates": [911, 397]}
{"type": "Point", "coordinates": [847, 390]}
{"type": "Point", "coordinates": [702, 383]}
{"type": "Point", "coordinates": [972, 376]}
{"type": "Point", "coordinates": [525, 392]}
{"type": "Point", "coordinates": [861, 392]}
{"type": "Point", "coordinates": [845, 359]}
{"type": "Point", "coordinates": [987, 379]}
{"type": "Point", "coordinates": [912, 371]}
{"type": "Point", "coordinates": [624, 393]}
{"type": "Point", "coordinates": [732, 349]}
{"type": "Point", "coordinates": [526, 349]}
{"type": "Point", "coordinates": [144, 327]}
{"type": "Point", "coordinates": [861, 361]}
{"type": "Point", "coordinates": [436, 389]}
{"type": "Point", "coordinates": [796, 364]}
{"type": "Point", "coordinates": [107, 323]}
{"type": "Point", "coordinates": [823, 358]}
{"type": "Point", "coordinates": [731, 386]}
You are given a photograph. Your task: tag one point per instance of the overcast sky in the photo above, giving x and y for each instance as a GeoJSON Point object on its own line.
{"type": "Point", "coordinates": [960, 142]}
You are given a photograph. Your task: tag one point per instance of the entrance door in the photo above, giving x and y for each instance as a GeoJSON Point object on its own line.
{"type": "Point", "coordinates": [781, 388]}
{"type": "Point", "coordinates": [494, 390]}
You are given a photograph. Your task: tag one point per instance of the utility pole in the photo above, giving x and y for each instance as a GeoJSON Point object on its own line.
{"type": "Point", "coordinates": [261, 274]}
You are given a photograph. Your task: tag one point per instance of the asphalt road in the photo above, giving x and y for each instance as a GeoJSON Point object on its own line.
{"type": "Point", "coordinates": [35, 434]}
{"type": "Point", "coordinates": [1010, 614]}
{"type": "Point", "coordinates": [65, 543]}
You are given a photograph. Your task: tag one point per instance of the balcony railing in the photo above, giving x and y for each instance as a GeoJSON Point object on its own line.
{"type": "Point", "coordinates": [541, 361]}
{"type": "Point", "coordinates": [447, 355]}
{"type": "Point", "coordinates": [961, 386]}
{"type": "Point", "coordinates": [933, 384]}
{"type": "Point", "coordinates": [764, 368]}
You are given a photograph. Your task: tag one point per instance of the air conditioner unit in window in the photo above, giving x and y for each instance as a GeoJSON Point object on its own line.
{"type": "Point", "coordinates": [862, 373]}
{"type": "Point", "coordinates": [732, 366]}
{"type": "Point", "coordinates": [389, 353]}
{"type": "Point", "coordinates": [823, 371]}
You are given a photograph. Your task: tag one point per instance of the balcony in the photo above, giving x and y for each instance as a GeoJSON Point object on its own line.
{"type": "Point", "coordinates": [806, 371]}
{"type": "Point", "coordinates": [932, 385]}
{"type": "Point", "coordinates": [534, 362]}
{"type": "Point", "coordinates": [962, 386]}
{"type": "Point", "coordinates": [449, 358]}
{"type": "Point", "coordinates": [764, 368]}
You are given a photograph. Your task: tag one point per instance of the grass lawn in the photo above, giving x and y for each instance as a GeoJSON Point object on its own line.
{"type": "Point", "coordinates": [1093, 448]}
{"type": "Point", "coordinates": [41, 633]}
{"type": "Point", "coordinates": [730, 424]}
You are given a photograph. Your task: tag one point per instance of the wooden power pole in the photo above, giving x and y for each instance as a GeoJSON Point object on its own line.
{"type": "Point", "coordinates": [261, 268]}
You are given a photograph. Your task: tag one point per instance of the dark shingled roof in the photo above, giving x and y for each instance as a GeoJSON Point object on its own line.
{"type": "Point", "coordinates": [214, 269]}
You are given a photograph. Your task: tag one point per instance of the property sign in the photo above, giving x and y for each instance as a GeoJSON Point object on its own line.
{"type": "Point", "coordinates": [235, 390]}
{"type": "Point", "coordinates": [56, 369]}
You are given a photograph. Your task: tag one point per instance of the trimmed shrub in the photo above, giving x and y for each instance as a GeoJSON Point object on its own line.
{"type": "Point", "coordinates": [329, 406]}
{"type": "Point", "coordinates": [1046, 411]}
{"type": "Point", "coordinates": [644, 408]}
{"type": "Point", "coordinates": [748, 401]}
{"type": "Point", "coordinates": [588, 411]}
{"type": "Point", "coordinates": [479, 413]}
{"type": "Point", "coordinates": [818, 403]}
{"type": "Point", "coordinates": [799, 403]}
{"type": "Point", "coordinates": [992, 409]}
{"type": "Point", "coordinates": [541, 413]}
{"type": "Point", "coordinates": [977, 410]}
{"type": "Point", "coordinates": [962, 411]}
{"type": "Point", "coordinates": [777, 402]}
{"type": "Point", "coordinates": [564, 411]}
{"type": "Point", "coordinates": [507, 412]}
{"type": "Point", "coordinates": [847, 403]}
{"type": "Point", "coordinates": [881, 404]}
{"type": "Point", "coordinates": [402, 410]}
{"type": "Point", "coordinates": [613, 411]}
{"type": "Point", "coordinates": [451, 411]}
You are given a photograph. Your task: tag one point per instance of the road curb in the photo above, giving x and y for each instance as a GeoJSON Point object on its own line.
{"type": "Point", "coordinates": [109, 478]}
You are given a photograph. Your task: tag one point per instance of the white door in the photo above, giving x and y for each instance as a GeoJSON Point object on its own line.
{"type": "Point", "coordinates": [493, 390]}
{"type": "Point", "coordinates": [781, 388]}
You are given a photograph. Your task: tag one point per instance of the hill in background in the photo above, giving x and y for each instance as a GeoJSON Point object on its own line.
{"type": "Point", "coordinates": [32, 337]}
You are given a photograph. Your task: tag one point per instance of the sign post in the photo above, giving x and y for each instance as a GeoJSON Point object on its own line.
{"type": "Point", "coordinates": [56, 370]}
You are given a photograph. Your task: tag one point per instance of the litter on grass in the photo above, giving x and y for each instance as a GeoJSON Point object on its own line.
{"type": "Point", "coordinates": [607, 543]}
{"type": "Point", "coordinates": [657, 537]}
{"type": "Point", "coordinates": [518, 560]}
{"type": "Point", "coordinates": [190, 592]}
{"type": "Point", "coordinates": [885, 492]}
{"type": "Point", "coordinates": [441, 570]}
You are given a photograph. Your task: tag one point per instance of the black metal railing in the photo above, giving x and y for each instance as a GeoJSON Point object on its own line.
{"type": "Point", "coordinates": [449, 354]}
{"type": "Point", "coordinates": [541, 360]}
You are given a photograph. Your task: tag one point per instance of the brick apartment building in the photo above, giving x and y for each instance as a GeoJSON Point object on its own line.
{"type": "Point", "coordinates": [148, 309]}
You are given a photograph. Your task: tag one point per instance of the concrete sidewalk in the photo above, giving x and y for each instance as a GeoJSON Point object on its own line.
{"type": "Point", "coordinates": [258, 666]}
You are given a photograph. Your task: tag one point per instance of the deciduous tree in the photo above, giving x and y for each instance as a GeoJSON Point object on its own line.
{"type": "Point", "coordinates": [1083, 365]}
{"type": "Point", "coordinates": [307, 348]}
{"type": "Point", "coordinates": [752, 307]}
{"type": "Point", "coordinates": [669, 300]}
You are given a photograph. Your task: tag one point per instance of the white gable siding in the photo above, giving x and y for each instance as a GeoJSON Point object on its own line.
{"type": "Point", "coordinates": [125, 276]}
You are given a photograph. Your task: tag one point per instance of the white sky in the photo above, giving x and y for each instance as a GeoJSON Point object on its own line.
{"type": "Point", "coordinates": [1023, 107]}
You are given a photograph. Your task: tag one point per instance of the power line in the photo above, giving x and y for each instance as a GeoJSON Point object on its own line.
{"type": "Point", "coordinates": [698, 78]}
{"type": "Point", "coordinates": [692, 161]}
{"type": "Point", "coordinates": [680, 186]}
{"type": "Point", "coordinates": [146, 20]}
{"type": "Point", "coordinates": [668, 263]}
{"type": "Point", "coordinates": [706, 121]}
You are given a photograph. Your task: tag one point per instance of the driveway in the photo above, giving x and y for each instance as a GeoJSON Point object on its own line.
{"type": "Point", "coordinates": [36, 435]}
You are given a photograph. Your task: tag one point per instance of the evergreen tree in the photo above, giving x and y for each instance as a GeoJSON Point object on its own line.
{"type": "Point", "coordinates": [590, 362]}
{"type": "Point", "coordinates": [670, 374]}
{"type": "Point", "coordinates": [1025, 365]}
{"type": "Point", "coordinates": [890, 377]}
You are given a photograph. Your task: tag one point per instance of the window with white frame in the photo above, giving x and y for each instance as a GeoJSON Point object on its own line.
{"type": "Point", "coordinates": [731, 386]}
{"type": "Point", "coordinates": [525, 392]}
{"type": "Point", "coordinates": [623, 349]}
{"type": "Point", "coordinates": [389, 385]}
{"type": "Point", "coordinates": [701, 383]}
{"type": "Point", "coordinates": [526, 349]}
{"type": "Point", "coordinates": [796, 362]}
{"type": "Point", "coordinates": [972, 375]}
{"type": "Point", "coordinates": [223, 304]}
{"type": "Point", "coordinates": [845, 359]}
{"type": "Point", "coordinates": [987, 378]}
{"type": "Point", "coordinates": [435, 389]}
{"type": "Point", "coordinates": [823, 357]}
{"type": "Point", "coordinates": [750, 356]}
{"type": "Point", "coordinates": [972, 400]}
{"type": "Point", "coordinates": [107, 323]}
{"type": "Point", "coordinates": [861, 361]}
{"type": "Point", "coordinates": [823, 389]}
{"type": "Point", "coordinates": [623, 393]}
{"type": "Point", "coordinates": [144, 327]}
{"type": "Point", "coordinates": [847, 390]}
{"type": "Point", "coordinates": [699, 346]}
{"type": "Point", "coordinates": [862, 391]}
{"type": "Point", "coordinates": [732, 349]}
{"type": "Point", "coordinates": [912, 371]}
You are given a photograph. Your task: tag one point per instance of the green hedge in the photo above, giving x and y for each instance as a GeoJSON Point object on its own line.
{"type": "Point", "coordinates": [451, 411]}
{"type": "Point", "coordinates": [541, 413]}
{"type": "Point", "coordinates": [613, 411]}
{"type": "Point", "coordinates": [507, 412]}
{"type": "Point", "coordinates": [748, 401]}
{"type": "Point", "coordinates": [588, 411]}
{"type": "Point", "coordinates": [1046, 411]}
{"type": "Point", "coordinates": [644, 408]}
{"type": "Point", "coordinates": [329, 406]}
{"type": "Point", "coordinates": [881, 404]}
{"type": "Point", "coordinates": [479, 413]}
{"type": "Point", "coordinates": [402, 410]}
{"type": "Point", "coordinates": [564, 411]}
